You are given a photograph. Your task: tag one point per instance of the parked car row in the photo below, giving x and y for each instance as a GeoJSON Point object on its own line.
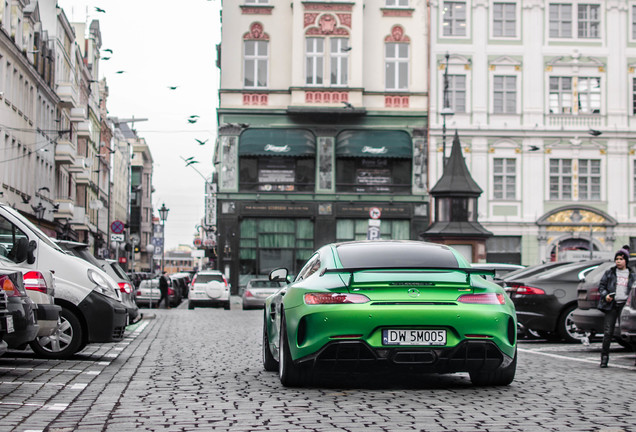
{"type": "Point", "coordinates": [56, 302]}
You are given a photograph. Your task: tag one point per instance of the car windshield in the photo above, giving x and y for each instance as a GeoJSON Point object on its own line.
{"type": "Point", "coordinates": [395, 254]}
{"type": "Point", "coordinates": [205, 278]}
{"type": "Point", "coordinates": [264, 284]}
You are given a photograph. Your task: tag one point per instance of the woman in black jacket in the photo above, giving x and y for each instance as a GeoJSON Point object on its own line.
{"type": "Point", "coordinates": [614, 289]}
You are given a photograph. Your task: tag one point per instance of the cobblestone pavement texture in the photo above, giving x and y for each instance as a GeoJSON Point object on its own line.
{"type": "Point", "coordinates": [201, 370]}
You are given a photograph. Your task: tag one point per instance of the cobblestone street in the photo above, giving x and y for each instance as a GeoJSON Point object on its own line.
{"type": "Point", "coordinates": [201, 369]}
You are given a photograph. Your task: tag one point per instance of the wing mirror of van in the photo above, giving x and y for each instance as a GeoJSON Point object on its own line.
{"type": "Point", "coordinates": [31, 252]}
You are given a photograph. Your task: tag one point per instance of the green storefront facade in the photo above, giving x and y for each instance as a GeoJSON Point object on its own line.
{"type": "Point", "coordinates": [290, 181]}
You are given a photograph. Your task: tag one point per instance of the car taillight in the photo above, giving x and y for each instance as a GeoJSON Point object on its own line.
{"type": "Point", "coordinates": [248, 293]}
{"type": "Point", "coordinates": [194, 279]}
{"type": "Point", "coordinates": [593, 294]}
{"type": "Point", "coordinates": [225, 281]}
{"type": "Point", "coordinates": [485, 298]}
{"type": "Point", "coordinates": [125, 287]}
{"type": "Point", "coordinates": [138, 292]}
{"type": "Point", "coordinates": [34, 281]}
{"type": "Point", "coordinates": [9, 287]}
{"type": "Point", "coordinates": [525, 290]}
{"type": "Point", "coordinates": [170, 291]}
{"type": "Point", "coordinates": [334, 298]}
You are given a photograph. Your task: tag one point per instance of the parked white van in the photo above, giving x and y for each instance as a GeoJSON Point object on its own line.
{"type": "Point", "coordinates": [91, 310]}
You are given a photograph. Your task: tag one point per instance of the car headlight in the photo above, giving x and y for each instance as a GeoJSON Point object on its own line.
{"type": "Point", "coordinates": [102, 284]}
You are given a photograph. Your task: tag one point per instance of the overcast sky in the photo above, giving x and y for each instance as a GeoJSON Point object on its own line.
{"type": "Point", "coordinates": [161, 44]}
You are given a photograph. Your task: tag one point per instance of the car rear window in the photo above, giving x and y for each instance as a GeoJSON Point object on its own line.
{"type": "Point", "coordinates": [205, 278]}
{"type": "Point", "coordinates": [395, 254]}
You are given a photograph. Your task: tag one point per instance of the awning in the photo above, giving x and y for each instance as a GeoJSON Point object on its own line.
{"type": "Point", "coordinates": [277, 142]}
{"type": "Point", "coordinates": [374, 143]}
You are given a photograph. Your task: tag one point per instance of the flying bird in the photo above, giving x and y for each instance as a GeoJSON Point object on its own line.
{"type": "Point", "coordinates": [192, 120]}
{"type": "Point", "coordinates": [194, 116]}
{"type": "Point", "coordinates": [108, 50]}
{"type": "Point", "coordinates": [594, 132]}
{"type": "Point", "coordinates": [173, 87]}
{"type": "Point", "coordinates": [100, 9]}
{"type": "Point", "coordinates": [192, 162]}
{"type": "Point", "coordinates": [534, 148]}
{"type": "Point", "coordinates": [189, 159]}
{"type": "Point", "coordinates": [347, 105]}
{"type": "Point", "coordinates": [25, 199]}
{"type": "Point", "coordinates": [120, 72]}
{"type": "Point", "coordinates": [345, 49]}
{"type": "Point", "coordinates": [201, 142]}
{"type": "Point", "coordinates": [105, 58]}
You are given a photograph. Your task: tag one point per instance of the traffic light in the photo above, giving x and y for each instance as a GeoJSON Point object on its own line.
{"type": "Point", "coordinates": [136, 249]}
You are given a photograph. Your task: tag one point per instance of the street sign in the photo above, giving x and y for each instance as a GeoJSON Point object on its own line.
{"type": "Point", "coordinates": [375, 213]}
{"type": "Point", "coordinates": [157, 242]}
{"type": "Point", "coordinates": [373, 231]}
{"type": "Point", "coordinates": [117, 227]}
{"type": "Point", "coordinates": [117, 237]}
{"type": "Point", "coordinates": [122, 260]}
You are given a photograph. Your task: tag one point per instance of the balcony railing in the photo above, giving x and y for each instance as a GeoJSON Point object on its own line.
{"type": "Point", "coordinates": [575, 121]}
{"type": "Point", "coordinates": [69, 96]}
{"type": "Point", "coordinates": [65, 151]}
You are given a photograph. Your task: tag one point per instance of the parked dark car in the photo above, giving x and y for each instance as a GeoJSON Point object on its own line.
{"type": "Point", "coordinates": [6, 320]}
{"type": "Point", "coordinates": [628, 321]}
{"type": "Point", "coordinates": [528, 271]}
{"type": "Point", "coordinates": [586, 316]}
{"type": "Point", "coordinates": [126, 287]}
{"type": "Point", "coordinates": [181, 284]}
{"type": "Point", "coordinates": [137, 277]}
{"type": "Point", "coordinates": [545, 301]}
{"type": "Point", "coordinates": [21, 309]}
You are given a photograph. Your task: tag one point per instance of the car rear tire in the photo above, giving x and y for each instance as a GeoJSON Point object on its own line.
{"type": "Point", "coordinates": [190, 305]}
{"type": "Point", "coordinates": [227, 305]}
{"type": "Point", "coordinates": [290, 375]}
{"type": "Point", "coordinates": [500, 377]}
{"type": "Point", "coordinates": [270, 364]}
{"type": "Point", "coordinates": [566, 329]}
{"type": "Point", "coordinates": [66, 341]}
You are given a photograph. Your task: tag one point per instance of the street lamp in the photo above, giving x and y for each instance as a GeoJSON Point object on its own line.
{"type": "Point", "coordinates": [446, 111]}
{"type": "Point", "coordinates": [163, 215]}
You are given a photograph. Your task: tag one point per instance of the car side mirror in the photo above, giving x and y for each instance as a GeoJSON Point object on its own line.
{"type": "Point", "coordinates": [279, 275]}
{"type": "Point", "coordinates": [31, 252]}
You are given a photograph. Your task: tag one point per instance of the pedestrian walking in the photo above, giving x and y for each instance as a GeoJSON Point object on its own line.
{"type": "Point", "coordinates": [614, 289]}
{"type": "Point", "coordinates": [163, 289]}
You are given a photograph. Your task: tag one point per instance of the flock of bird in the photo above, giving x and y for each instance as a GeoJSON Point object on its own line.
{"type": "Point", "coordinates": [191, 119]}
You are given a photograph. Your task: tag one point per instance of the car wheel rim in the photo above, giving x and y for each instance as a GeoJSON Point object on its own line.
{"type": "Point", "coordinates": [60, 339]}
{"type": "Point", "coordinates": [572, 330]}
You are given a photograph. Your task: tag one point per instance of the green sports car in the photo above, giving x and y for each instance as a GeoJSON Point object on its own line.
{"type": "Point", "coordinates": [385, 306]}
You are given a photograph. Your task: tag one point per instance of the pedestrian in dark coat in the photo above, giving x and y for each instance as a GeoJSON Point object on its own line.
{"type": "Point", "coordinates": [614, 289]}
{"type": "Point", "coordinates": [163, 289]}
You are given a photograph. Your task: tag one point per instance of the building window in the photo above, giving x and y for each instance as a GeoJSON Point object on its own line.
{"type": "Point", "coordinates": [504, 20]}
{"type": "Point", "coordinates": [564, 91]}
{"type": "Point", "coordinates": [503, 249]}
{"type": "Point", "coordinates": [589, 21]}
{"type": "Point", "coordinates": [277, 174]}
{"type": "Point", "coordinates": [356, 229]}
{"type": "Point", "coordinates": [373, 175]}
{"type": "Point", "coordinates": [454, 18]}
{"type": "Point", "coordinates": [338, 61]}
{"type": "Point", "coordinates": [560, 20]}
{"type": "Point", "coordinates": [315, 52]}
{"type": "Point", "coordinates": [504, 178]}
{"type": "Point", "coordinates": [457, 93]}
{"type": "Point", "coordinates": [397, 3]}
{"type": "Point", "coordinates": [256, 1]}
{"type": "Point", "coordinates": [634, 22]}
{"type": "Point", "coordinates": [256, 64]}
{"type": "Point", "coordinates": [633, 95]}
{"type": "Point", "coordinates": [590, 179]}
{"type": "Point", "coordinates": [561, 179]}
{"type": "Point", "coordinates": [397, 66]}
{"type": "Point", "coordinates": [505, 94]}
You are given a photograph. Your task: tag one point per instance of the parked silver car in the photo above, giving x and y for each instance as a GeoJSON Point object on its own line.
{"type": "Point", "coordinates": [257, 290]}
{"type": "Point", "coordinates": [126, 287]}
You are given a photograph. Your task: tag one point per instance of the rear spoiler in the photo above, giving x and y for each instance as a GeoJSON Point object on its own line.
{"type": "Point", "coordinates": [467, 271]}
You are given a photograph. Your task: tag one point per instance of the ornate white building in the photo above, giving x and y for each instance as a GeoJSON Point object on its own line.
{"type": "Point", "coordinates": [543, 95]}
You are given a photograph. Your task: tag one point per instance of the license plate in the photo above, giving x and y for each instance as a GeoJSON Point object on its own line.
{"type": "Point", "coordinates": [10, 328]}
{"type": "Point", "coordinates": [413, 337]}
